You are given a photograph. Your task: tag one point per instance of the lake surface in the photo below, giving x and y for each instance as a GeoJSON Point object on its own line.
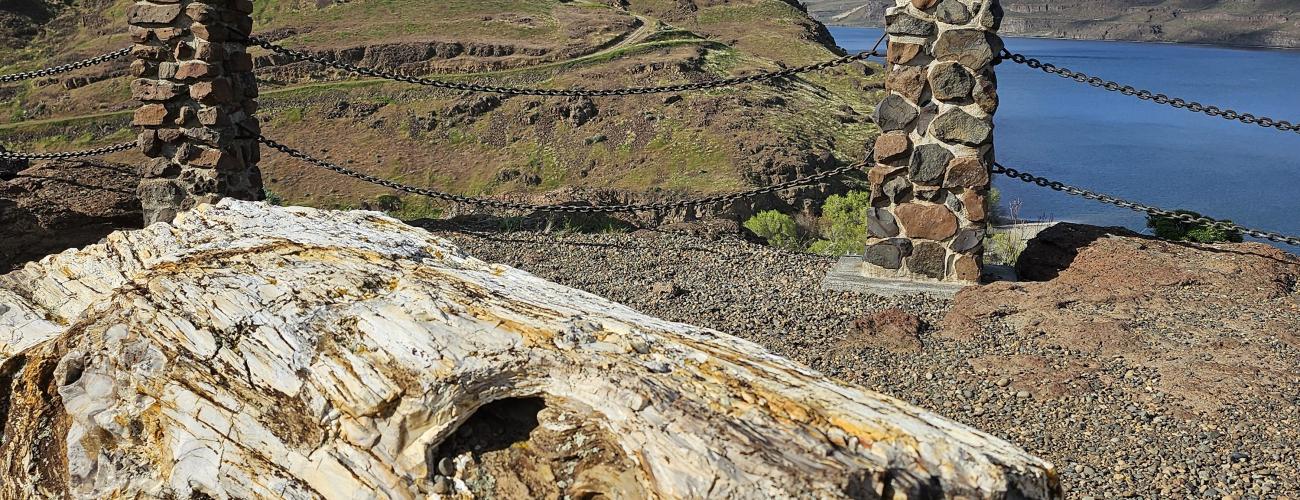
{"type": "Point", "coordinates": [1148, 153]}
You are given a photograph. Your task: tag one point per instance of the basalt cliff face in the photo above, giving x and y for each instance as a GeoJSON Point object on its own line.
{"type": "Point", "coordinates": [1256, 23]}
{"type": "Point", "coordinates": [250, 351]}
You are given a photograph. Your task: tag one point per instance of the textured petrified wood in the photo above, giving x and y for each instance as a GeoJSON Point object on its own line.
{"type": "Point", "coordinates": [250, 351]}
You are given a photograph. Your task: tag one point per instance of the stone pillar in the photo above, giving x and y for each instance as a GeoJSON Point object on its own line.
{"type": "Point", "coordinates": [931, 180]}
{"type": "Point", "coordinates": [194, 80]}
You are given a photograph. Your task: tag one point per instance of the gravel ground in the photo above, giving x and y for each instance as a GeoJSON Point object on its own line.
{"type": "Point", "coordinates": [1110, 433]}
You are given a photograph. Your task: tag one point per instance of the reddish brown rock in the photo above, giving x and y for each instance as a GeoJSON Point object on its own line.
{"type": "Point", "coordinates": [194, 69]}
{"type": "Point", "coordinates": [974, 202]}
{"type": "Point", "coordinates": [210, 51]}
{"type": "Point", "coordinates": [986, 95]}
{"type": "Point", "coordinates": [208, 158]}
{"type": "Point", "coordinates": [892, 329]}
{"type": "Point", "coordinates": [967, 172]}
{"type": "Point", "coordinates": [148, 141]}
{"type": "Point", "coordinates": [893, 146]}
{"type": "Point", "coordinates": [924, 4]}
{"type": "Point", "coordinates": [214, 92]}
{"type": "Point", "coordinates": [907, 81]}
{"type": "Point", "coordinates": [169, 135]}
{"type": "Point", "coordinates": [1205, 325]}
{"type": "Point", "coordinates": [967, 268]}
{"type": "Point", "coordinates": [210, 115]}
{"type": "Point", "coordinates": [200, 12]}
{"type": "Point", "coordinates": [148, 13]}
{"type": "Point", "coordinates": [139, 34]}
{"type": "Point", "coordinates": [901, 53]}
{"type": "Point", "coordinates": [211, 33]}
{"type": "Point", "coordinates": [150, 115]}
{"type": "Point", "coordinates": [150, 52]}
{"type": "Point", "coordinates": [154, 90]}
{"type": "Point", "coordinates": [140, 67]}
{"type": "Point", "coordinates": [166, 34]}
{"type": "Point", "coordinates": [925, 221]}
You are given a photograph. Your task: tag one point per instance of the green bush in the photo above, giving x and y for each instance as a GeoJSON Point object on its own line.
{"type": "Point", "coordinates": [1005, 248]}
{"type": "Point", "coordinates": [272, 198]}
{"type": "Point", "coordinates": [1176, 230]}
{"type": "Point", "coordinates": [775, 227]}
{"type": "Point", "coordinates": [843, 224]}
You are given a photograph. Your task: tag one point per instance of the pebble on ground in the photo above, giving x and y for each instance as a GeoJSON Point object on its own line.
{"type": "Point", "coordinates": [1107, 440]}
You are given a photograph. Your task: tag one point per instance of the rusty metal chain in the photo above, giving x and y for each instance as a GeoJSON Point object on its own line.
{"type": "Point", "coordinates": [584, 209]}
{"type": "Point", "coordinates": [1147, 95]}
{"type": "Point", "coordinates": [577, 92]}
{"type": "Point", "coordinates": [67, 155]}
{"type": "Point", "coordinates": [64, 68]}
{"type": "Point", "coordinates": [1138, 207]}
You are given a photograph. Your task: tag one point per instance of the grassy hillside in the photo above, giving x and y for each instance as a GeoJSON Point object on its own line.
{"type": "Point", "coordinates": [538, 148]}
{"type": "Point", "coordinates": [1268, 23]}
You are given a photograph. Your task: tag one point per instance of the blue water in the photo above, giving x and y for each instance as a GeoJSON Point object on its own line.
{"type": "Point", "coordinates": [1153, 154]}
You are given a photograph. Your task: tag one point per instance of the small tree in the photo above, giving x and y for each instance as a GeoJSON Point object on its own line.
{"type": "Point", "coordinates": [1177, 230]}
{"type": "Point", "coordinates": [775, 227]}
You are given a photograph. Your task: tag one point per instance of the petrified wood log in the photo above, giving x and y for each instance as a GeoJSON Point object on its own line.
{"type": "Point", "coordinates": [250, 351]}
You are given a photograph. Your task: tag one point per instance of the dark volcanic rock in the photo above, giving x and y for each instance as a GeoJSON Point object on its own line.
{"type": "Point", "coordinates": [953, 12]}
{"type": "Point", "coordinates": [928, 259]}
{"type": "Point", "coordinates": [951, 82]}
{"type": "Point", "coordinates": [888, 254]}
{"type": "Point", "coordinates": [929, 163]}
{"type": "Point", "coordinates": [881, 223]}
{"type": "Point", "coordinates": [903, 24]}
{"type": "Point", "coordinates": [959, 127]}
{"type": "Point", "coordinates": [895, 113]}
{"type": "Point", "coordinates": [968, 239]}
{"type": "Point", "coordinates": [971, 48]}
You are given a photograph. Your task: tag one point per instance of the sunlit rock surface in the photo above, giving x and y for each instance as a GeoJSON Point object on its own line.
{"type": "Point", "coordinates": [250, 351]}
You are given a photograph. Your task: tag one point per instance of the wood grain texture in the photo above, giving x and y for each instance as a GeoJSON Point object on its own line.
{"type": "Point", "coordinates": [250, 351]}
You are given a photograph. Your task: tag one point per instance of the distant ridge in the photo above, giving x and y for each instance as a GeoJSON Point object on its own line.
{"type": "Point", "coordinates": [1263, 23]}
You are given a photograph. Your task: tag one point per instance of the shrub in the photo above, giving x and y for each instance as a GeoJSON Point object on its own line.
{"type": "Point", "coordinates": [775, 227]}
{"type": "Point", "coordinates": [843, 224]}
{"type": "Point", "coordinates": [272, 198]}
{"type": "Point", "coordinates": [1177, 230]}
{"type": "Point", "coordinates": [388, 202]}
{"type": "Point", "coordinates": [1005, 248]}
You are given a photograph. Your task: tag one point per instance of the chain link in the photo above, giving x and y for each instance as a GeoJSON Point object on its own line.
{"type": "Point", "coordinates": [1138, 207]}
{"type": "Point", "coordinates": [64, 68]}
{"type": "Point", "coordinates": [1147, 95]}
{"type": "Point", "coordinates": [67, 155]}
{"type": "Point", "coordinates": [584, 209]}
{"type": "Point", "coordinates": [711, 84]}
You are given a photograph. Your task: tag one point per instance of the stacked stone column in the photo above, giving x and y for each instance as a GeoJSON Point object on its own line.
{"type": "Point", "coordinates": [931, 180]}
{"type": "Point", "coordinates": [197, 116]}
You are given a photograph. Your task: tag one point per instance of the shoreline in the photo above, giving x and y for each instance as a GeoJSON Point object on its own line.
{"type": "Point", "coordinates": [1081, 39]}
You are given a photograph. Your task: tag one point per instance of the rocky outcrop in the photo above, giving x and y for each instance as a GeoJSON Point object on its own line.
{"type": "Point", "coordinates": [1205, 324]}
{"type": "Point", "coordinates": [250, 351]}
{"type": "Point", "coordinates": [54, 206]}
